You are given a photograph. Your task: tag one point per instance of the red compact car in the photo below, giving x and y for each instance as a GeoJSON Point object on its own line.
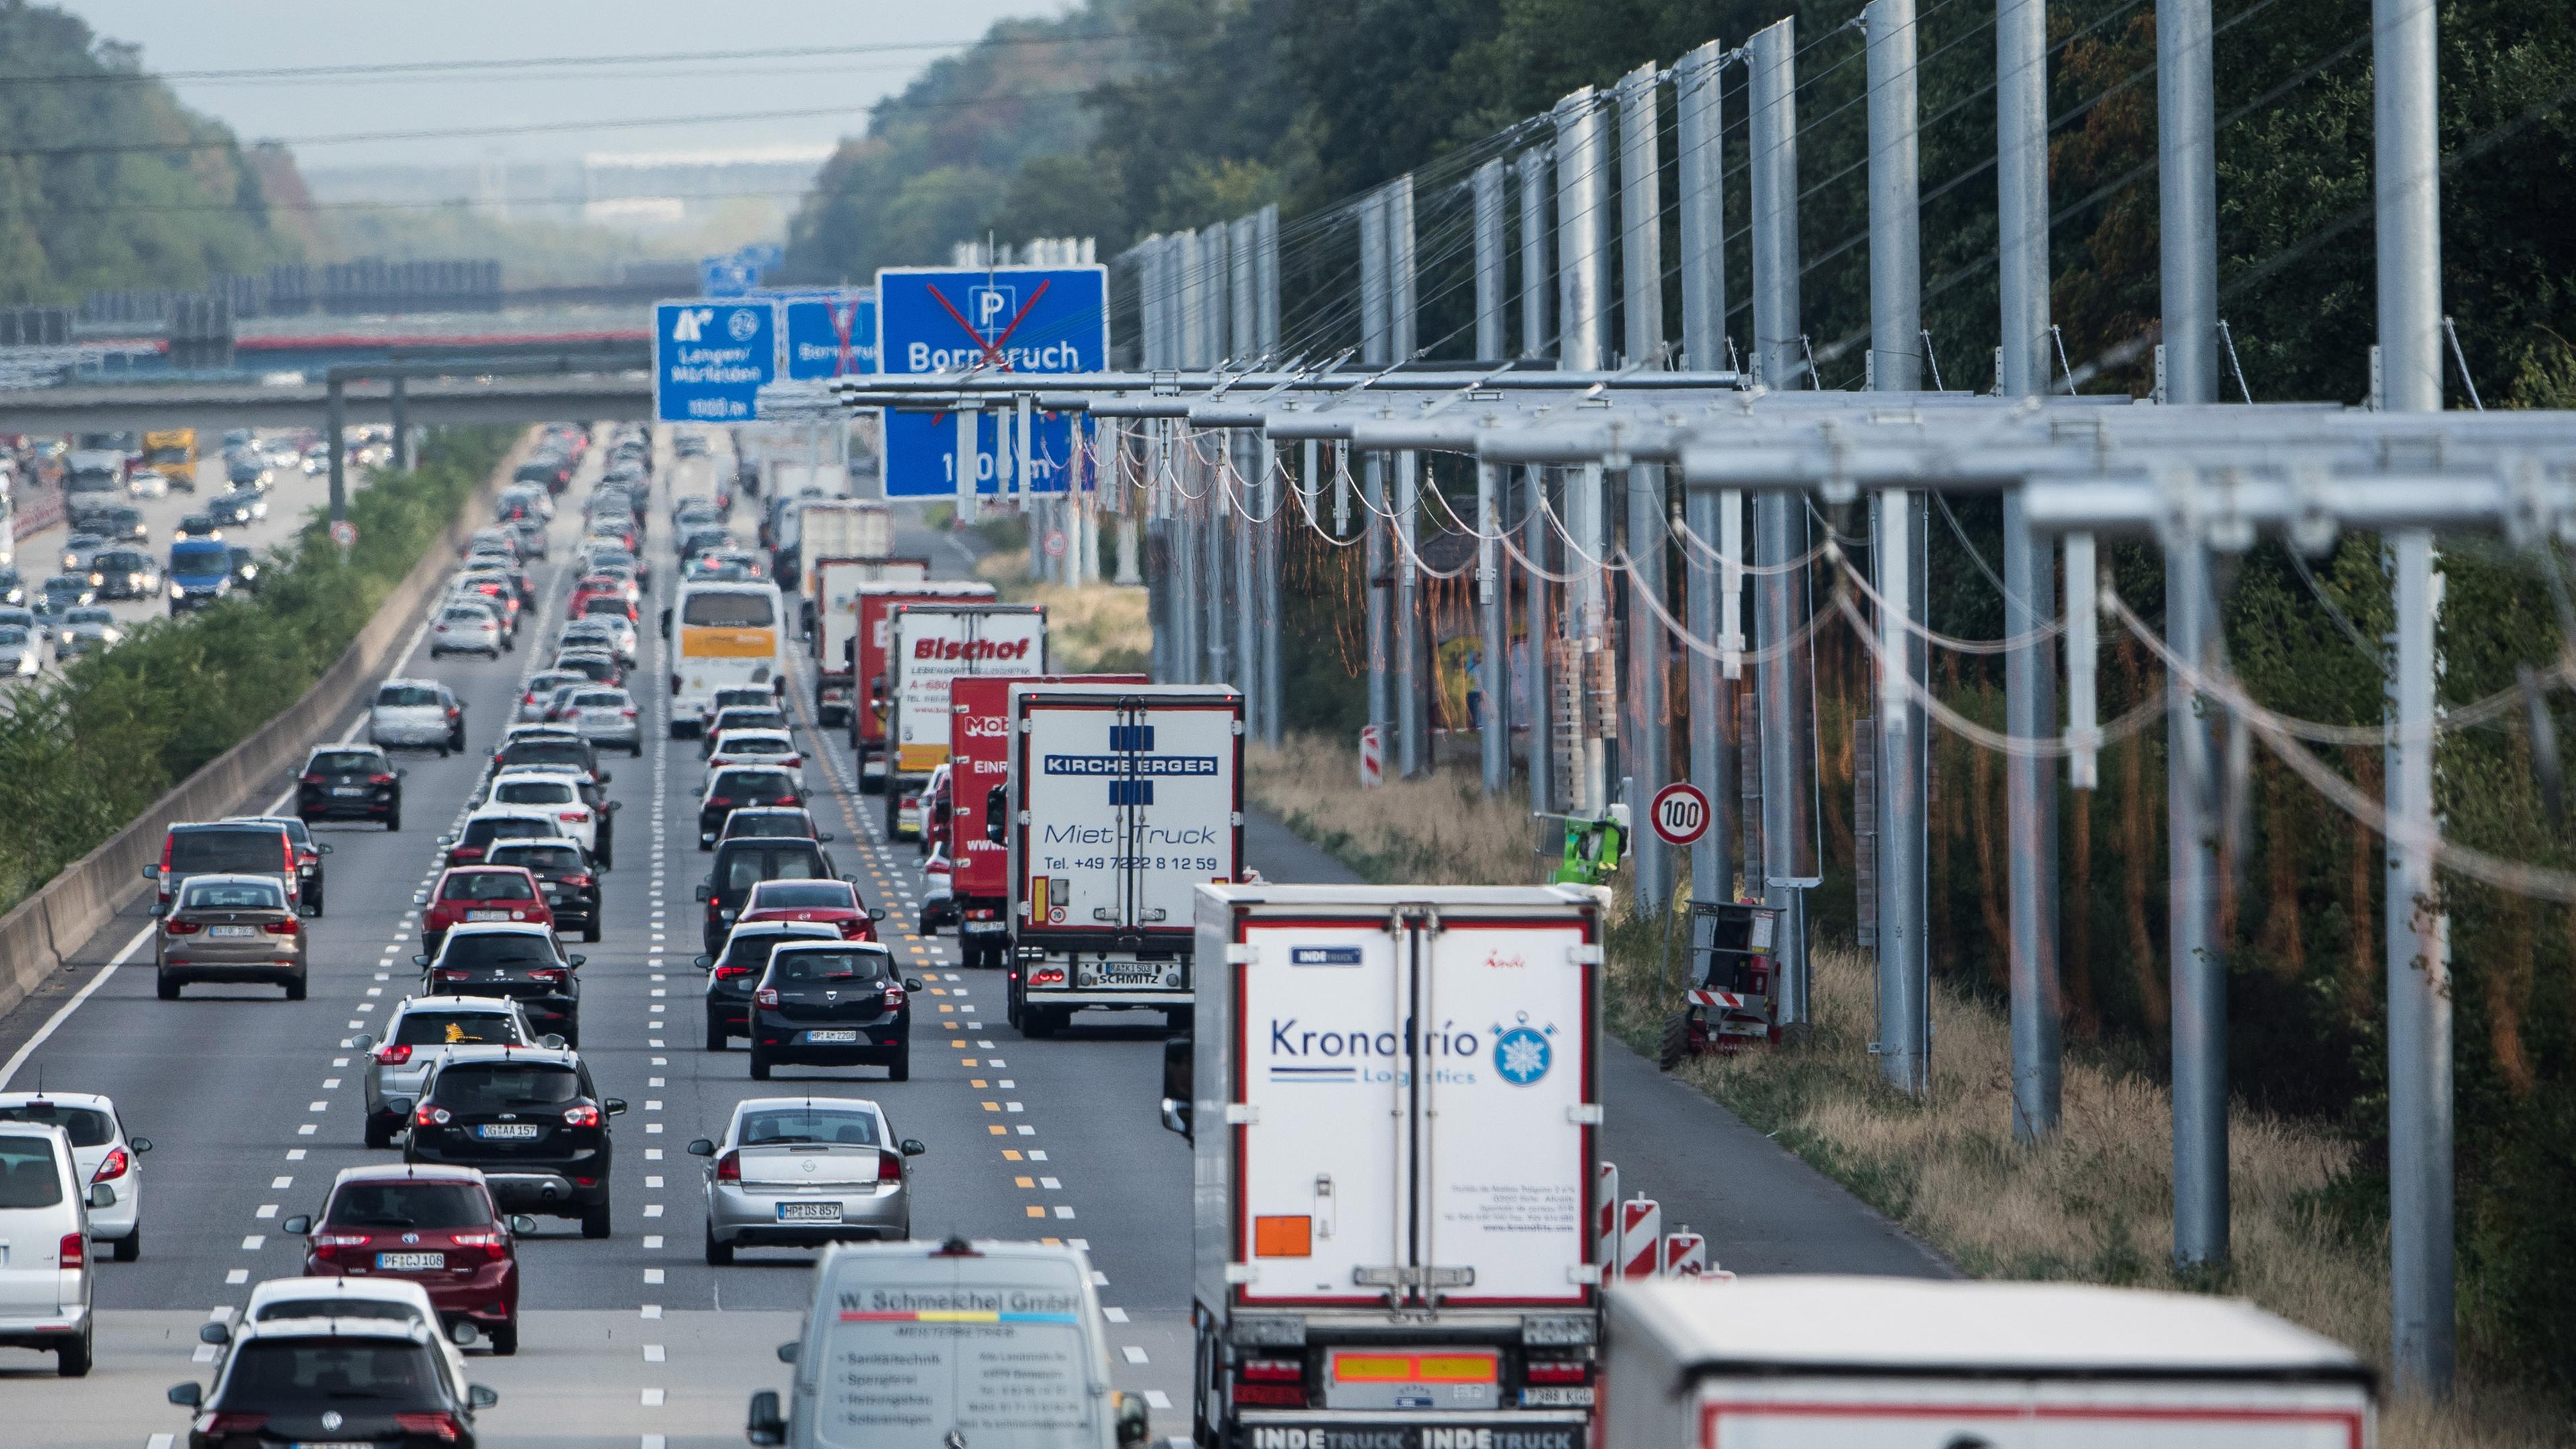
{"type": "Point", "coordinates": [430, 1224]}
{"type": "Point", "coordinates": [599, 586]}
{"type": "Point", "coordinates": [480, 893]}
{"type": "Point", "coordinates": [833, 903]}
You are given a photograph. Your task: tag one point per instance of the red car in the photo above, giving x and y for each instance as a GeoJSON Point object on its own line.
{"type": "Point", "coordinates": [480, 893]}
{"type": "Point", "coordinates": [833, 903]}
{"type": "Point", "coordinates": [433, 1225]}
{"type": "Point", "coordinates": [599, 586]}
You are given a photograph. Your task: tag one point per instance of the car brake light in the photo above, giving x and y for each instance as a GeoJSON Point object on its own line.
{"type": "Point", "coordinates": [431, 1116]}
{"type": "Point", "coordinates": [577, 817]}
{"type": "Point", "coordinates": [233, 1421]}
{"type": "Point", "coordinates": [893, 996]}
{"type": "Point", "coordinates": [1557, 1372]}
{"type": "Point", "coordinates": [113, 1167]}
{"type": "Point", "coordinates": [181, 928]}
{"type": "Point", "coordinates": [284, 928]}
{"type": "Point", "coordinates": [556, 974]}
{"type": "Point", "coordinates": [719, 799]}
{"type": "Point", "coordinates": [333, 1242]}
{"type": "Point", "coordinates": [74, 1251]}
{"type": "Point", "coordinates": [729, 1167]}
{"type": "Point", "coordinates": [439, 1425]}
{"type": "Point", "coordinates": [380, 779]}
{"type": "Point", "coordinates": [576, 880]}
{"type": "Point", "coordinates": [584, 1115]}
{"type": "Point", "coordinates": [313, 779]}
{"type": "Point", "coordinates": [393, 1054]}
{"type": "Point", "coordinates": [727, 973]}
{"type": "Point", "coordinates": [494, 1246]}
{"type": "Point", "coordinates": [889, 1166]}
{"type": "Point", "coordinates": [766, 996]}
{"type": "Point", "coordinates": [630, 714]}
{"type": "Point", "coordinates": [855, 931]}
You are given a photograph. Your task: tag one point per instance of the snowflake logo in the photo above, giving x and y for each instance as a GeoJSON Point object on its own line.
{"type": "Point", "coordinates": [1522, 1056]}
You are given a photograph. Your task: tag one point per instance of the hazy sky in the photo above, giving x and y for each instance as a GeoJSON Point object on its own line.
{"type": "Point", "coordinates": [552, 102]}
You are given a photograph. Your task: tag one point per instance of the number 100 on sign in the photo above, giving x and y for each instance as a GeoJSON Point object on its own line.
{"type": "Point", "coordinates": [1680, 814]}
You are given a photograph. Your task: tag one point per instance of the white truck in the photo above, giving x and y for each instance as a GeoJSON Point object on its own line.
{"type": "Point", "coordinates": [832, 622]}
{"type": "Point", "coordinates": [1392, 1221]}
{"type": "Point", "coordinates": [840, 528]}
{"type": "Point", "coordinates": [927, 645]}
{"type": "Point", "coordinates": [1797, 1362]}
{"type": "Point", "coordinates": [1123, 799]}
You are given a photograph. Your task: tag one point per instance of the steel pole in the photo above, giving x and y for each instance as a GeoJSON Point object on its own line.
{"type": "Point", "coordinates": [1537, 600]}
{"type": "Point", "coordinates": [2407, 184]}
{"type": "Point", "coordinates": [1247, 451]}
{"type": "Point", "coordinates": [1216, 509]}
{"type": "Point", "coordinates": [1493, 727]}
{"type": "Point", "coordinates": [2021, 193]}
{"type": "Point", "coordinates": [2187, 199]}
{"type": "Point", "coordinates": [1266, 321]}
{"type": "Point", "coordinates": [1149, 308]}
{"type": "Point", "coordinates": [1895, 206]}
{"type": "Point", "coordinates": [1188, 352]}
{"type": "Point", "coordinates": [1373, 353]}
{"type": "Point", "coordinates": [1646, 758]}
{"type": "Point", "coordinates": [335, 420]}
{"type": "Point", "coordinates": [1779, 350]}
{"type": "Point", "coordinates": [2199, 965]}
{"type": "Point", "coordinates": [1698, 140]}
{"type": "Point", "coordinates": [1582, 287]}
{"type": "Point", "coordinates": [1414, 674]}
{"type": "Point", "coordinates": [402, 424]}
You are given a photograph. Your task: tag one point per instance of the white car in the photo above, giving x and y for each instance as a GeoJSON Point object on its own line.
{"type": "Point", "coordinates": [22, 654]}
{"type": "Point", "coordinates": [398, 1300]}
{"type": "Point", "coordinates": [102, 1151]}
{"type": "Point", "coordinates": [464, 629]}
{"type": "Point", "coordinates": [759, 696]}
{"type": "Point", "coordinates": [418, 713]}
{"type": "Point", "coordinates": [757, 747]}
{"type": "Point", "coordinates": [548, 792]}
{"type": "Point", "coordinates": [45, 1280]}
{"type": "Point", "coordinates": [615, 631]}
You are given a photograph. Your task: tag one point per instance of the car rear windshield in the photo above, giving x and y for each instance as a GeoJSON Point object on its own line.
{"type": "Point", "coordinates": [455, 1028]}
{"type": "Point", "coordinates": [280, 1374]}
{"type": "Point", "coordinates": [506, 827]}
{"type": "Point", "coordinates": [751, 719]}
{"type": "Point", "coordinates": [533, 792]}
{"type": "Point", "coordinates": [512, 949]}
{"type": "Point", "coordinates": [11, 635]}
{"type": "Point", "coordinates": [605, 604]}
{"type": "Point", "coordinates": [86, 1126]}
{"type": "Point", "coordinates": [728, 611]}
{"type": "Point", "coordinates": [408, 1205]}
{"type": "Point", "coordinates": [599, 671]}
{"type": "Point", "coordinates": [232, 895]}
{"type": "Point", "coordinates": [600, 699]}
{"type": "Point", "coordinates": [377, 1309]}
{"type": "Point", "coordinates": [758, 745]}
{"type": "Point", "coordinates": [546, 752]}
{"type": "Point", "coordinates": [800, 895]}
{"type": "Point", "coordinates": [539, 857]}
{"type": "Point", "coordinates": [750, 867]}
{"type": "Point", "coordinates": [799, 968]}
{"type": "Point", "coordinates": [405, 696]}
{"type": "Point", "coordinates": [505, 1086]}
{"type": "Point", "coordinates": [345, 760]}
{"type": "Point", "coordinates": [809, 1124]}
{"type": "Point", "coordinates": [485, 885]}
{"type": "Point", "coordinates": [755, 785]}
{"type": "Point", "coordinates": [465, 614]}
{"type": "Point", "coordinates": [753, 824]}
{"type": "Point", "coordinates": [28, 1176]}
{"type": "Point", "coordinates": [220, 852]}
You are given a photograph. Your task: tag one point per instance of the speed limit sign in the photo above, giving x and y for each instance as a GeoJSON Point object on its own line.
{"type": "Point", "coordinates": [1680, 814]}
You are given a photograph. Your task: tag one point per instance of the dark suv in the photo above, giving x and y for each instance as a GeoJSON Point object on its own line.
{"type": "Point", "coordinates": [342, 782]}
{"type": "Point", "coordinates": [344, 1380]}
{"type": "Point", "coordinates": [518, 962]}
{"type": "Point", "coordinates": [571, 888]}
{"type": "Point", "coordinates": [737, 786]}
{"type": "Point", "coordinates": [549, 747]}
{"type": "Point", "coordinates": [832, 1004]}
{"type": "Point", "coordinates": [531, 1120]}
{"type": "Point", "coordinates": [735, 971]}
{"type": "Point", "coordinates": [228, 848]}
{"type": "Point", "coordinates": [742, 864]}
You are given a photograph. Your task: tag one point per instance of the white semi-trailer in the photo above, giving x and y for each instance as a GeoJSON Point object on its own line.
{"type": "Point", "coordinates": [1393, 1102]}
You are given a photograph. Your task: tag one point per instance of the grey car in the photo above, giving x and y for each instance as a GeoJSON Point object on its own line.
{"type": "Point", "coordinates": [418, 713]}
{"type": "Point", "coordinates": [84, 630]}
{"type": "Point", "coordinates": [605, 717]}
{"type": "Point", "coordinates": [418, 1033]}
{"type": "Point", "coordinates": [798, 1172]}
{"type": "Point", "coordinates": [229, 928]}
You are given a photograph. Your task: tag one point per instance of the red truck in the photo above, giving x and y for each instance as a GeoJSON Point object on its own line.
{"type": "Point", "coordinates": [876, 603]}
{"type": "Point", "coordinates": [979, 764]}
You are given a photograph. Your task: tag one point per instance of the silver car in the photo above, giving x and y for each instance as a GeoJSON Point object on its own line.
{"type": "Point", "coordinates": [84, 630]}
{"type": "Point", "coordinates": [605, 717]}
{"type": "Point", "coordinates": [102, 1155]}
{"type": "Point", "coordinates": [418, 713]}
{"type": "Point", "coordinates": [420, 1031]}
{"type": "Point", "coordinates": [465, 629]}
{"type": "Point", "coordinates": [797, 1172]}
{"type": "Point", "coordinates": [22, 654]}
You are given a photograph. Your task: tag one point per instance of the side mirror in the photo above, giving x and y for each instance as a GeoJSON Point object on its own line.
{"type": "Point", "coordinates": [448, 839]}
{"type": "Point", "coordinates": [606, 778]}
{"type": "Point", "coordinates": [326, 850]}
{"type": "Point", "coordinates": [787, 1351]}
{"type": "Point", "coordinates": [1133, 1425]}
{"type": "Point", "coordinates": [576, 960]}
{"type": "Point", "coordinates": [190, 1395]}
{"type": "Point", "coordinates": [150, 872]}
{"type": "Point", "coordinates": [215, 1333]}
{"type": "Point", "coordinates": [160, 908]}
{"type": "Point", "coordinates": [420, 898]}
{"type": "Point", "coordinates": [307, 909]}
{"type": "Point", "coordinates": [297, 1226]}
{"type": "Point", "coordinates": [552, 1042]}
{"type": "Point", "coordinates": [912, 983]}
{"type": "Point", "coordinates": [825, 838]}
{"type": "Point", "coordinates": [102, 1195]}
{"type": "Point", "coordinates": [464, 1334]}
{"type": "Point", "coordinates": [403, 774]}
{"type": "Point", "coordinates": [666, 625]}
{"type": "Point", "coordinates": [704, 894]}
{"type": "Point", "coordinates": [140, 1144]}
{"type": "Point", "coordinates": [876, 913]}
{"type": "Point", "coordinates": [701, 1147]}
{"type": "Point", "coordinates": [522, 1223]}
{"type": "Point", "coordinates": [703, 963]}
{"type": "Point", "coordinates": [421, 961]}
{"type": "Point", "coordinates": [614, 1105]}
{"type": "Point", "coordinates": [480, 1397]}
{"type": "Point", "coordinates": [912, 1147]}
{"type": "Point", "coordinates": [367, 1042]}
{"type": "Point", "coordinates": [765, 1426]}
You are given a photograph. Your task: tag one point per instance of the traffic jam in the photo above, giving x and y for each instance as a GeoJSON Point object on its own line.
{"type": "Point", "coordinates": [884, 850]}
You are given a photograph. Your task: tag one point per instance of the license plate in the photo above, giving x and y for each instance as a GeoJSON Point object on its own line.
{"type": "Point", "coordinates": [1125, 975]}
{"type": "Point", "coordinates": [830, 1036]}
{"type": "Point", "coordinates": [1565, 1396]}
{"type": "Point", "coordinates": [979, 928]}
{"type": "Point", "coordinates": [410, 1262]}
{"type": "Point", "coordinates": [487, 915]}
{"type": "Point", "coordinates": [809, 1212]}
{"type": "Point", "coordinates": [348, 789]}
{"type": "Point", "coordinates": [231, 933]}
{"type": "Point", "coordinates": [506, 1130]}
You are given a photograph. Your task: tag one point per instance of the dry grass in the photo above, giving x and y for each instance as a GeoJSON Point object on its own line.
{"type": "Point", "coordinates": [2094, 1205]}
{"type": "Point", "coordinates": [1096, 629]}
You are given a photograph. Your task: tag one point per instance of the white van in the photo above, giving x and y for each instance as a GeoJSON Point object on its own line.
{"type": "Point", "coordinates": [44, 1246]}
{"type": "Point", "coordinates": [995, 1345]}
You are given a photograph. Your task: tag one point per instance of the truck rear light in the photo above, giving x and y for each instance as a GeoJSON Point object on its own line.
{"type": "Point", "coordinates": [1556, 1371]}
{"type": "Point", "coordinates": [1047, 976]}
{"type": "Point", "coordinates": [1272, 1371]}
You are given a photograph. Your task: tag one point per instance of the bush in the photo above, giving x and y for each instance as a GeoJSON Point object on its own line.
{"type": "Point", "coordinates": [83, 754]}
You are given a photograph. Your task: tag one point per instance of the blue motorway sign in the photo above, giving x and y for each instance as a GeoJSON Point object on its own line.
{"type": "Point", "coordinates": [830, 336]}
{"type": "Point", "coordinates": [1012, 319]}
{"type": "Point", "coordinates": [711, 358]}
{"type": "Point", "coordinates": [736, 272]}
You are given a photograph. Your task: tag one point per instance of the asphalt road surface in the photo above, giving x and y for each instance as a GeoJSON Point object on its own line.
{"type": "Point", "coordinates": [253, 1104]}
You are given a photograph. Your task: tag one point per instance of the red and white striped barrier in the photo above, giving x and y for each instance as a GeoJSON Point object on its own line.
{"type": "Point", "coordinates": [1685, 1255]}
{"type": "Point", "coordinates": [1605, 1218]}
{"type": "Point", "coordinates": [1700, 997]}
{"type": "Point", "coordinates": [1372, 758]}
{"type": "Point", "coordinates": [1641, 1237]}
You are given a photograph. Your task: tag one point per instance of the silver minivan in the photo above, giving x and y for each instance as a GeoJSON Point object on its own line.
{"type": "Point", "coordinates": [992, 1344]}
{"type": "Point", "coordinates": [44, 1246]}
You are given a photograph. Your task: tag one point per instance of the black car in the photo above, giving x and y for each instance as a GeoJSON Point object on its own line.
{"type": "Point", "coordinates": [246, 576]}
{"type": "Point", "coordinates": [701, 539]}
{"type": "Point", "coordinates": [352, 1380]}
{"type": "Point", "coordinates": [832, 1004]}
{"type": "Point", "coordinates": [531, 1120]}
{"type": "Point", "coordinates": [571, 886]}
{"type": "Point", "coordinates": [65, 591]}
{"type": "Point", "coordinates": [13, 589]}
{"type": "Point", "coordinates": [736, 786]}
{"type": "Point", "coordinates": [196, 525]}
{"type": "Point", "coordinates": [522, 962]}
{"type": "Point", "coordinates": [308, 854]}
{"type": "Point", "coordinates": [125, 573]}
{"type": "Point", "coordinates": [733, 973]}
{"type": "Point", "coordinates": [235, 506]}
{"type": "Point", "coordinates": [742, 864]}
{"type": "Point", "coordinates": [552, 746]}
{"type": "Point", "coordinates": [121, 522]}
{"type": "Point", "coordinates": [342, 782]}
{"type": "Point", "coordinates": [600, 665]}
{"type": "Point", "coordinates": [475, 839]}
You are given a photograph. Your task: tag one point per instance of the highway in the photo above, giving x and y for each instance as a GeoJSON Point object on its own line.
{"type": "Point", "coordinates": [253, 1104]}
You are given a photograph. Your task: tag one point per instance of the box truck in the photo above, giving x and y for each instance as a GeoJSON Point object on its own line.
{"type": "Point", "coordinates": [1796, 1362]}
{"type": "Point", "coordinates": [172, 453]}
{"type": "Point", "coordinates": [1393, 1105]}
{"type": "Point", "coordinates": [871, 708]}
{"type": "Point", "coordinates": [1123, 799]}
{"type": "Point", "coordinates": [831, 623]}
{"type": "Point", "coordinates": [841, 528]}
{"type": "Point", "coordinates": [927, 645]}
{"type": "Point", "coordinates": [979, 764]}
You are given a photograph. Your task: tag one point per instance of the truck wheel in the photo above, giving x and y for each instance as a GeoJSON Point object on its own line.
{"type": "Point", "coordinates": [894, 809]}
{"type": "Point", "coordinates": [868, 784]}
{"type": "Point", "coordinates": [1179, 1020]}
{"type": "Point", "coordinates": [1676, 1041]}
{"type": "Point", "coordinates": [1040, 1021]}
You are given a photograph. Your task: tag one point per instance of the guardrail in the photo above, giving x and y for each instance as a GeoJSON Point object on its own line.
{"type": "Point", "coordinates": [37, 937]}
